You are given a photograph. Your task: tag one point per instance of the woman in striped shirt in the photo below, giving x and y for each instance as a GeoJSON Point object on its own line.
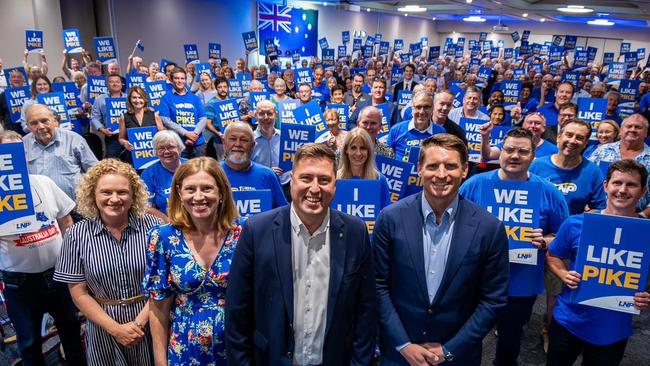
{"type": "Point", "coordinates": [103, 261]}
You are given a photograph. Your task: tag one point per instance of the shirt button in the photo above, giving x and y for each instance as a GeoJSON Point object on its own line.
{"type": "Point", "coordinates": [289, 354]}
{"type": "Point", "coordinates": [430, 311]}
{"type": "Point", "coordinates": [424, 333]}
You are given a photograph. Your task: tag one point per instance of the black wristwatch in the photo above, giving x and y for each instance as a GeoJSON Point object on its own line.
{"type": "Point", "coordinates": [448, 355]}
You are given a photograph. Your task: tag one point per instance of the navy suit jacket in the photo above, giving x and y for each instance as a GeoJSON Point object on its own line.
{"type": "Point", "coordinates": [259, 310]}
{"type": "Point", "coordinates": [473, 289]}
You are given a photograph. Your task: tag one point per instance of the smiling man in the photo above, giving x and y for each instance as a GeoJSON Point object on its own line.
{"type": "Point", "coordinates": [301, 288]}
{"type": "Point", "coordinates": [243, 173]}
{"type": "Point", "coordinates": [441, 264]}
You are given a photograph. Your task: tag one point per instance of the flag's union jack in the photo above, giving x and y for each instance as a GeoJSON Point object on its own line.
{"type": "Point", "coordinates": [274, 16]}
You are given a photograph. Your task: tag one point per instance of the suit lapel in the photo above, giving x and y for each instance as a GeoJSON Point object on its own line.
{"type": "Point", "coordinates": [337, 263]}
{"type": "Point", "coordinates": [283, 255]}
{"type": "Point", "coordinates": [413, 233]}
{"type": "Point", "coordinates": [464, 230]}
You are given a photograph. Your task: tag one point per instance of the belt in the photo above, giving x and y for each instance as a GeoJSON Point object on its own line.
{"type": "Point", "coordinates": [123, 302]}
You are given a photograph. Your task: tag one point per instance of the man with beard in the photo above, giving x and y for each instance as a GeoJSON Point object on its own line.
{"type": "Point", "coordinates": [243, 173]}
{"type": "Point", "coordinates": [378, 97]}
{"type": "Point", "coordinates": [470, 107]}
{"type": "Point", "coordinates": [534, 122]}
{"type": "Point", "coordinates": [320, 91]}
{"type": "Point", "coordinates": [356, 95]}
{"type": "Point", "coordinates": [215, 144]}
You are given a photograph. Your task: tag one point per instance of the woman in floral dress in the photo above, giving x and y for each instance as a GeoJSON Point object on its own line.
{"type": "Point", "coordinates": [188, 265]}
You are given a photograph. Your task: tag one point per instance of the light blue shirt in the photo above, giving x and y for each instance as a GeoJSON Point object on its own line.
{"type": "Point", "coordinates": [436, 241]}
{"type": "Point", "coordinates": [98, 111]}
{"type": "Point", "coordinates": [267, 151]}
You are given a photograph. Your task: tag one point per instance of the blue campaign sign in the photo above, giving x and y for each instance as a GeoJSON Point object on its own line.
{"type": "Point", "coordinates": [343, 111]}
{"type": "Point", "coordinates": [625, 47]}
{"type": "Point", "coordinates": [285, 109]}
{"type": "Point", "coordinates": [525, 34]}
{"type": "Point", "coordinates": [616, 70]}
{"type": "Point", "coordinates": [15, 98]}
{"type": "Point", "coordinates": [482, 36]}
{"type": "Point", "coordinates": [608, 58]}
{"type": "Point", "coordinates": [95, 86]}
{"type": "Point", "coordinates": [115, 109]}
{"type": "Point", "coordinates": [494, 52]}
{"type": "Point", "coordinates": [244, 79]}
{"type": "Point", "coordinates": [356, 44]}
{"type": "Point", "coordinates": [536, 67]}
{"type": "Point", "coordinates": [17, 215]}
{"type": "Point", "coordinates": [135, 79]}
{"type": "Point", "coordinates": [434, 53]}
{"type": "Point", "coordinates": [415, 49]}
{"type": "Point", "coordinates": [405, 58]}
{"type": "Point", "coordinates": [303, 75]}
{"type": "Point", "coordinates": [370, 41]}
{"type": "Point", "coordinates": [592, 110]}
{"type": "Point", "coordinates": [640, 53]}
{"type": "Point", "coordinates": [414, 182]}
{"type": "Point", "coordinates": [226, 112]}
{"type": "Point", "coordinates": [296, 56]}
{"type": "Point", "coordinates": [555, 55]}
{"type": "Point", "coordinates": [591, 53]}
{"type": "Point", "coordinates": [516, 204]}
{"type": "Point", "coordinates": [310, 114]}
{"type": "Point", "coordinates": [214, 50]}
{"type": "Point", "coordinates": [483, 74]}
{"type": "Point", "coordinates": [424, 40]}
{"type": "Point", "coordinates": [155, 91]}
{"type": "Point", "coordinates": [557, 40]}
{"type": "Point", "coordinates": [518, 72]}
{"type": "Point", "coordinates": [396, 173]}
{"type": "Point", "coordinates": [368, 51]}
{"type": "Point", "coordinates": [580, 60]}
{"type": "Point", "coordinates": [342, 52]}
{"type": "Point", "coordinates": [396, 74]}
{"type": "Point", "coordinates": [571, 77]}
{"type": "Point", "coordinates": [269, 48]}
{"type": "Point", "coordinates": [323, 43]}
{"type": "Point", "coordinates": [191, 53]}
{"type": "Point", "coordinates": [515, 36]}
{"type": "Point", "coordinates": [459, 51]}
{"type": "Point", "coordinates": [71, 94]}
{"type": "Point", "coordinates": [631, 60]}
{"type": "Point", "coordinates": [250, 203]}
{"type": "Point", "coordinates": [487, 46]}
{"type": "Point", "coordinates": [328, 58]}
{"type": "Point", "coordinates": [56, 101]}
{"type": "Point", "coordinates": [613, 260]}
{"type": "Point", "coordinates": [461, 42]}
{"type": "Point", "coordinates": [458, 93]}
{"type": "Point", "coordinates": [71, 40]}
{"type": "Point", "coordinates": [524, 49]}
{"type": "Point", "coordinates": [629, 90]}
{"type": "Point", "coordinates": [404, 97]}
{"type": "Point", "coordinates": [472, 129]}
{"type": "Point", "coordinates": [474, 62]}
{"type": "Point", "coordinates": [235, 89]}
{"type": "Point", "coordinates": [508, 53]}
{"type": "Point", "coordinates": [383, 48]}
{"type": "Point", "coordinates": [8, 71]}
{"type": "Point", "coordinates": [105, 50]}
{"type": "Point", "coordinates": [254, 98]}
{"type": "Point", "coordinates": [570, 42]}
{"type": "Point", "coordinates": [345, 36]}
{"type": "Point", "coordinates": [511, 92]}
{"type": "Point", "coordinates": [475, 52]}
{"type": "Point", "coordinates": [385, 119]}
{"type": "Point", "coordinates": [141, 138]}
{"type": "Point", "coordinates": [292, 136]}
{"type": "Point", "coordinates": [250, 40]}
{"type": "Point", "coordinates": [472, 43]}
{"type": "Point", "coordinates": [378, 38]}
{"type": "Point", "coordinates": [359, 198]}
{"type": "Point", "coordinates": [33, 40]}
{"type": "Point", "coordinates": [398, 44]}
{"type": "Point", "coordinates": [202, 67]}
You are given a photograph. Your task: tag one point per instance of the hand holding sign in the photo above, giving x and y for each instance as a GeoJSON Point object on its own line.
{"type": "Point", "coordinates": [571, 279]}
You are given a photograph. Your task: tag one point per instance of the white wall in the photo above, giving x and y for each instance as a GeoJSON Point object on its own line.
{"type": "Point", "coordinates": [18, 15]}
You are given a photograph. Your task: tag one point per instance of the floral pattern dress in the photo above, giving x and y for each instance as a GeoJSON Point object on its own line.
{"type": "Point", "coordinates": [196, 334]}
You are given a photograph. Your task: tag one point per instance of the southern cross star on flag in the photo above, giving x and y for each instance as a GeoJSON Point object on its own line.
{"type": "Point", "coordinates": [290, 28]}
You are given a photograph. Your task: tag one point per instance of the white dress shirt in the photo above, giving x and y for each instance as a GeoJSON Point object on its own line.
{"type": "Point", "coordinates": [310, 256]}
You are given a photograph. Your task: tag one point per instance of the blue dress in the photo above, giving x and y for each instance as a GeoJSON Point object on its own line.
{"type": "Point", "coordinates": [196, 334]}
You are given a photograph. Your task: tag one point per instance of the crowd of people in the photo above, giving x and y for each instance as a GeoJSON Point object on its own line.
{"type": "Point", "coordinates": [164, 269]}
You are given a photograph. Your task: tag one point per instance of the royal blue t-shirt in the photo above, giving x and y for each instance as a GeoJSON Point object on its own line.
{"type": "Point", "coordinates": [591, 324]}
{"type": "Point", "coordinates": [158, 181]}
{"type": "Point", "coordinates": [186, 110]}
{"type": "Point", "coordinates": [400, 137]}
{"type": "Point", "coordinates": [321, 93]}
{"type": "Point", "coordinates": [525, 280]}
{"type": "Point", "coordinates": [256, 177]}
{"type": "Point", "coordinates": [582, 185]}
{"type": "Point", "coordinates": [550, 113]}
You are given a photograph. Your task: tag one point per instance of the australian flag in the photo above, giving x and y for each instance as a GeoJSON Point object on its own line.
{"type": "Point", "coordinates": [289, 27]}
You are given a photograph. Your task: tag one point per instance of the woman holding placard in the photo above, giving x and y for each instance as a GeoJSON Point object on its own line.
{"type": "Point", "coordinates": [138, 114]}
{"type": "Point", "coordinates": [103, 261]}
{"type": "Point", "coordinates": [358, 161]}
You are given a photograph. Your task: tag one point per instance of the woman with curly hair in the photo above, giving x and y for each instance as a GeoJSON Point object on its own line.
{"type": "Point", "coordinates": [188, 262]}
{"type": "Point", "coordinates": [103, 261]}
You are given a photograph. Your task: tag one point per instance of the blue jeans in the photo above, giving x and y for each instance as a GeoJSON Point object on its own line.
{"type": "Point", "coordinates": [194, 151]}
{"type": "Point", "coordinates": [29, 296]}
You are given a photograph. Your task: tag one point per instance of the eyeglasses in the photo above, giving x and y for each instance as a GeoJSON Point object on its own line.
{"type": "Point", "coordinates": [523, 151]}
{"type": "Point", "coordinates": [162, 149]}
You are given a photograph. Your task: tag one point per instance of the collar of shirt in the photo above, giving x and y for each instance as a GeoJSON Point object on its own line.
{"type": "Point", "coordinates": [98, 224]}
{"type": "Point", "coordinates": [56, 139]}
{"type": "Point", "coordinates": [297, 225]}
{"type": "Point", "coordinates": [428, 130]}
{"type": "Point", "coordinates": [258, 133]}
{"type": "Point", "coordinates": [450, 211]}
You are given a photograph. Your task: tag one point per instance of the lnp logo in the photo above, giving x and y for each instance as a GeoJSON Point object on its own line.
{"type": "Point", "coordinates": [524, 255]}
{"type": "Point", "coordinates": [566, 188]}
{"type": "Point", "coordinates": [626, 304]}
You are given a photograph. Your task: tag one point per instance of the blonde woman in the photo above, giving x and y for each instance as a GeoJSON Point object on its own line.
{"type": "Point", "coordinates": [103, 261]}
{"type": "Point", "coordinates": [607, 132]}
{"type": "Point", "coordinates": [358, 161]}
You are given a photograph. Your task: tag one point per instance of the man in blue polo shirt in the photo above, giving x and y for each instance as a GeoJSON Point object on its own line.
{"type": "Point", "coordinates": [183, 112]}
{"type": "Point", "coordinates": [320, 91]}
{"type": "Point", "coordinates": [244, 174]}
{"type": "Point", "coordinates": [599, 334]}
{"type": "Point", "coordinates": [551, 111]}
{"type": "Point", "coordinates": [407, 134]}
{"type": "Point", "coordinates": [526, 281]}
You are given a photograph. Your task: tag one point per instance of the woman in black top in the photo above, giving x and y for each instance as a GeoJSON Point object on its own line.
{"type": "Point", "coordinates": [138, 115]}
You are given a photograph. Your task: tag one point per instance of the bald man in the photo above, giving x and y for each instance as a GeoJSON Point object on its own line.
{"type": "Point", "coordinates": [242, 172]}
{"type": "Point", "coordinates": [370, 120]}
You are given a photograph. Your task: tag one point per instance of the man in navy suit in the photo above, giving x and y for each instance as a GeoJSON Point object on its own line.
{"type": "Point", "coordinates": [301, 289]}
{"type": "Point", "coordinates": [441, 264]}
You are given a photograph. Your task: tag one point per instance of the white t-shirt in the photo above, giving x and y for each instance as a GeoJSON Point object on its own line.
{"type": "Point", "coordinates": [38, 251]}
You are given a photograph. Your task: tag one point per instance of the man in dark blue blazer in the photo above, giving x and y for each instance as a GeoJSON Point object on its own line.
{"type": "Point", "coordinates": [301, 289]}
{"type": "Point", "coordinates": [441, 264]}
